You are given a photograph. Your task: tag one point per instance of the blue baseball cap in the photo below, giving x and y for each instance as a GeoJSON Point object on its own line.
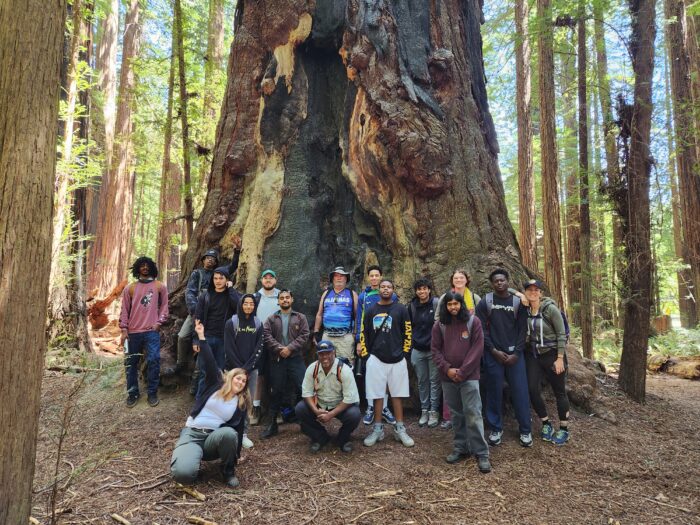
{"type": "Point", "coordinates": [325, 346]}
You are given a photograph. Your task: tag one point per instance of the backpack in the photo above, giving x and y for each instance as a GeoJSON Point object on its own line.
{"type": "Point", "coordinates": [489, 304]}
{"type": "Point", "coordinates": [338, 371]}
{"type": "Point", "coordinates": [567, 330]}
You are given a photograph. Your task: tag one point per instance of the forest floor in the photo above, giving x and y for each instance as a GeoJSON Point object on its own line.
{"type": "Point", "coordinates": [644, 469]}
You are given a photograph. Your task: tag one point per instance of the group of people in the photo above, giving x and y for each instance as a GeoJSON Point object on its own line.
{"type": "Point", "coordinates": [462, 348]}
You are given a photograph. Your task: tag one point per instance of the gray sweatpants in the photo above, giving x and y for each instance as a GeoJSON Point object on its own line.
{"type": "Point", "coordinates": [195, 446]}
{"type": "Point", "coordinates": [464, 401]}
{"type": "Point", "coordinates": [429, 389]}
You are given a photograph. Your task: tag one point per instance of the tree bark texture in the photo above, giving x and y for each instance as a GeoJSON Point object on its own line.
{"type": "Point", "coordinates": [354, 130]}
{"type": "Point", "coordinates": [526, 179]}
{"type": "Point", "coordinates": [548, 141]}
{"type": "Point", "coordinates": [687, 139]}
{"type": "Point", "coordinates": [30, 61]}
{"type": "Point", "coordinates": [632, 378]}
{"type": "Point", "coordinates": [112, 247]}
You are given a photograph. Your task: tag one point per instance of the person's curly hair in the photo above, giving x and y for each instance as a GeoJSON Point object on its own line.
{"type": "Point", "coordinates": [152, 268]}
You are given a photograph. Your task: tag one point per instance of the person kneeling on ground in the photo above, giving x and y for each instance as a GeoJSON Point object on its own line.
{"type": "Point", "coordinates": [457, 345]}
{"type": "Point", "coordinates": [214, 427]}
{"type": "Point", "coordinates": [328, 391]}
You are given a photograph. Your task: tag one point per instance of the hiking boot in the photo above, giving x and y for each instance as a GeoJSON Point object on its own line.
{"type": "Point", "coordinates": [153, 400]}
{"type": "Point", "coordinates": [346, 447]}
{"type": "Point", "coordinates": [433, 419]}
{"type": "Point", "coordinates": [232, 482]}
{"type": "Point", "coordinates": [526, 439]}
{"type": "Point", "coordinates": [376, 435]}
{"type": "Point", "coordinates": [455, 456]}
{"type": "Point", "coordinates": [400, 434]}
{"type": "Point", "coordinates": [484, 464]}
{"type": "Point", "coordinates": [547, 431]}
{"type": "Point", "coordinates": [315, 447]}
{"type": "Point", "coordinates": [246, 442]}
{"type": "Point", "coordinates": [255, 416]}
{"type": "Point", "coordinates": [561, 437]}
{"type": "Point", "coordinates": [131, 400]}
{"type": "Point", "coordinates": [423, 418]}
{"type": "Point", "coordinates": [446, 424]}
{"type": "Point", "coordinates": [495, 437]}
{"type": "Point", "coordinates": [388, 417]}
{"type": "Point", "coordinates": [270, 431]}
{"type": "Point", "coordinates": [369, 416]}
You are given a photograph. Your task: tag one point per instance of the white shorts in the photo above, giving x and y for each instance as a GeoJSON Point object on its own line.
{"type": "Point", "coordinates": [379, 376]}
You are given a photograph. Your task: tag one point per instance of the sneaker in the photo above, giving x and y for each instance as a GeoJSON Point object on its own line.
{"type": "Point", "coordinates": [547, 431]}
{"type": "Point", "coordinates": [131, 400]}
{"type": "Point", "coordinates": [270, 431]}
{"type": "Point", "coordinates": [495, 437]}
{"type": "Point", "coordinates": [153, 400]}
{"type": "Point", "coordinates": [400, 434]}
{"type": "Point", "coordinates": [346, 447]}
{"type": "Point", "coordinates": [315, 447]}
{"type": "Point", "coordinates": [455, 456]}
{"type": "Point", "coordinates": [279, 419]}
{"type": "Point", "coordinates": [526, 439]}
{"type": "Point", "coordinates": [255, 416]}
{"type": "Point", "coordinates": [433, 419]}
{"type": "Point", "coordinates": [423, 418]}
{"type": "Point", "coordinates": [377, 434]}
{"type": "Point", "coordinates": [246, 442]}
{"type": "Point", "coordinates": [233, 482]}
{"type": "Point", "coordinates": [561, 437]}
{"type": "Point", "coordinates": [484, 464]}
{"type": "Point", "coordinates": [388, 417]}
{"type": "Point", "coordinates": [369, 416]}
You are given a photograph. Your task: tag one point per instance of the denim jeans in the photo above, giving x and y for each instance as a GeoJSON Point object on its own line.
{"type": "Point", "coordinates": [217, 348]}
{"type": "Point", "coordinates": [492, 378]}
{"type": "Point", "coordinates": [143, 344]}
{"type": "Point", "coordinates": [349, 419]}
{"type": "Point", "coordinates": [465, 406]}
{"type": "Point", "coordinates": [429, 389]}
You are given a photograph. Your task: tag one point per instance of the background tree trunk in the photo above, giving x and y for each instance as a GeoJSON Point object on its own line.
{"type": "Point", "coordinates": [31, 39]}
{"type": "Point", "coordinates": [632, 378]}
{"type": "Point", "coordinates": [112, 247]}
{"type": "Point", "coordinates": [526, 179]}
{"type": "Point", "coordinates": [548, 140]}
{"type": "Point", "coordinates": [368, 136]}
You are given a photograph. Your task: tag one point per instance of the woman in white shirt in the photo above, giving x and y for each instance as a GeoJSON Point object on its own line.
{"type": "Point", "coordinates": [215, 425]}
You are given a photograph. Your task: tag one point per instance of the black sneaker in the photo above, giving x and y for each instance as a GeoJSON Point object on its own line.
{"type": "Point", "coordinates": [346, 447]}
{"type": "Point", "coordinates": [232, 482]}
{"type": "Point", "coordinates": [131, 400]}
{"type": "Point", "coordinates": [315, 447]}
{"type": "Point", "coordinates": [270, 431]}
{"type": "Point", "coordinates": [455, 456]}
{"type": "Point", "coordinates": [153, 400]}
{"type": "Point", "coordinates": [484, 465]}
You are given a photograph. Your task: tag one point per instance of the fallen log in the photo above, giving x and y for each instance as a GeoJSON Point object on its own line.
{"type": "Point", "coordinates": [686, 367]}
{"type": "Point", "coordinates": [96, 311]}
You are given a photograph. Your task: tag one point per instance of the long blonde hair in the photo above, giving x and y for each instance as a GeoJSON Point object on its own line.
{"type": "Point", "coordinates": [226, 391]}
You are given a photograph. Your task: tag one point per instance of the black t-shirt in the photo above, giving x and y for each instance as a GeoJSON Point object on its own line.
{"type": "Point", "coordinates": [502, 330]}
{"type": "Point", "coordinates": [216, 313]}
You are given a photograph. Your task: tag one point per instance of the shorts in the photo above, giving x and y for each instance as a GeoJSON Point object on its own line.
{"type": "Point", "coordinates": [380, 376]}
{"type": "Point", "coordinates": [344, 345]}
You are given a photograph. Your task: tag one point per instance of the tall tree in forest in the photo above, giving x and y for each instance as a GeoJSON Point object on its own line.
{"type": "Point", "coordinates": [687, 141]}
{"type": "Point", "coordinates": [550, 177]}
{"type": "Point", "coordinates": [632, 378]}
{"type": "Point", "coordinates": [351, 132]}
{"type": "Point", "coordinates": [586, 310]}
{"type": "Point", "coordinates": [112, 247]}
{"type": "Point", "coordinates": [526, 179]}
{"type": "Point", "coordinates": [187, 178]}
{"type": "Point", "coordinates": [29, 88]}
{"type": "Point", "coordinates": [104, 116]}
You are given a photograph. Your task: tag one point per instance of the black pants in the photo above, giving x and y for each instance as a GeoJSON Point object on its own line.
{"type": "Point", "coordinates": [349, 418]}
{"type": "Point", "coordinates": [539, 366]}
{"type": "Point", "coordinates": [285, 376]}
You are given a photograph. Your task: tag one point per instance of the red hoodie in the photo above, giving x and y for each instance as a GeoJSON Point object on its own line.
{"type": "Point", "coordinates": [458, 349]}
{"type": "Point", "coordinates": [144, 307]}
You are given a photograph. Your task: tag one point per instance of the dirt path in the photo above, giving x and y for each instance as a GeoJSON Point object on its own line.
{"type": "Point", "coordinates": [642, 470]}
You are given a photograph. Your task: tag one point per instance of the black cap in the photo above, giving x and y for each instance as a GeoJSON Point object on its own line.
{"type": "Point", "coordinates": [211, 253]}
{"type": "Point", "coordinates": [533, 282]}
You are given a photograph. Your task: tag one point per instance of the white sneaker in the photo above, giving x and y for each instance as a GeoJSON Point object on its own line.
{"type": "Point", "coordinates": [433, 419]}
{"type": "Point", "coordinates": [495, 437]}
{"type": "Point", "coordinates": [376, 435]}
{"type": "Point", "coordinates": [423, 418]}
{"type": "Point", "coordinates": [526, 439]}
{"type": "Point", "coordinates": [401, 435]}
{"type": "Point", "coordinates": [246, 443]}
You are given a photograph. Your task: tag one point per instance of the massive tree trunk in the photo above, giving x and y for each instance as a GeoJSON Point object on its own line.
{"type": "Point", "coordinates": [112, 247]}
{"type": "Point", "coordinates": [526, 178]}
{"type": "Point", "coordinates": [357, 131]}
{"type": "Point", "coordinates": [31, 37]}
{"type": "Point", "coordinates": [550, 163]}
{"type": "Point", "coordinates": [632, 377]}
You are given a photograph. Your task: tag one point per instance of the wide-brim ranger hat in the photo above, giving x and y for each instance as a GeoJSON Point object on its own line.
{"type": "Point", "coordinates": [324, 346]}
{"type": "Point", "coordinates": [211, 253]}
{"type": "Point", "coordinates": [533, 282]}
{"type": "Point", "coordinates": [341, 271]}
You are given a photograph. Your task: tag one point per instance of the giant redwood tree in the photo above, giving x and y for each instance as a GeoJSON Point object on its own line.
{"type": "Point", "coordinates": [351, 130]}
{"type": "Point", "coordinates": [31, 37]}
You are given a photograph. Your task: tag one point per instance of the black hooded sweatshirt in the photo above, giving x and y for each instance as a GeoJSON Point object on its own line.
{"type": "Point", "coordinates": [215, 308]}
{"type": "Point", "coordinates": [422, 316]}
{"type": "Point", "coordinates": [243, 347]}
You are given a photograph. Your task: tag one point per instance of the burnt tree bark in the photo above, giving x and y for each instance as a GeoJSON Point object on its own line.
{"type": "Point", "coordinates": [30, 60]}
{"type": "Point", "coordinates": [352, 130]}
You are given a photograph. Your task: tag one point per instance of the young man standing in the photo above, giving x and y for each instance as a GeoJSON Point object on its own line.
{"type": "Point", "coordinates": [328, 391]}
{"type": "Point", "coordinates": [504, 320]}
{"type": "Point", "coordinates": [386, 339]}
{"type": "Point", "coordinates": [144, 310]}
{"type": "Point", "coordinates": [336, 312]}
{"type": "Point", "coordinates": [286, 333]}
{"type": "Point", "coordinates": [368, 298]}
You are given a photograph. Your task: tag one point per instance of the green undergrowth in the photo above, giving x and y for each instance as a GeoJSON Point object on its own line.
{"type": "Point", "coordinates": [607, 344]}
